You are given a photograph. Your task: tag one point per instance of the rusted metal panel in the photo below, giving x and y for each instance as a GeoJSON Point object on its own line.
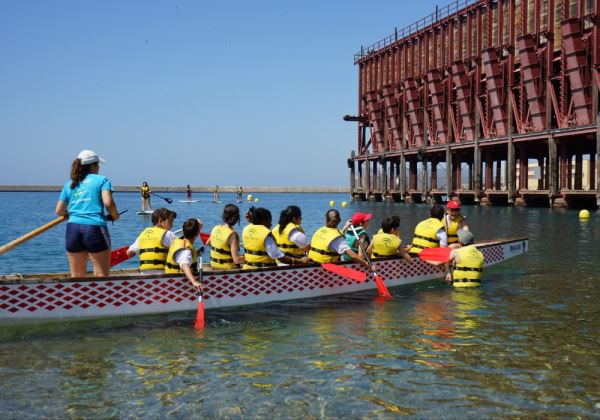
{"type": "Point", "coordinates": [496, 90]}
{"type": "Point", "coordinates": [531, 79]}
{"type": "Point", "coordinates": [413, 105]}
{"type": "Point", "coordinates": [436, 91]}
{"type": "Point", "coordinates": [464, 101]}
{"type": "Point", "coordinates": [392, 116]}
{"type": "Point", "coordinates": [375, 122]}
{"type": "Point", "coordinates": [576, 68]}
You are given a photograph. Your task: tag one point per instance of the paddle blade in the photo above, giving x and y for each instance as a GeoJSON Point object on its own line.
{"type": "Point", "coordinates": [119, 255]}
{"type": "Point", "coordinates": [200, 314]}
{"type": "Point", "coordinates": [169, 200]}
{"type": "Point", "coordinates": [204, 237]}
{"type": "Point", "coordinates": [381, 287]}
{"type": "Point", "coordinates": [348, 272]}
{"type": "Point", "coordinates": [436, 254]}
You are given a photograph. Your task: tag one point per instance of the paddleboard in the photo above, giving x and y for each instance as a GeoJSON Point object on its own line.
{"type": "Point", "coordinates": [188, 201]}
{"type": "Point", "coordinates": [145, 212]}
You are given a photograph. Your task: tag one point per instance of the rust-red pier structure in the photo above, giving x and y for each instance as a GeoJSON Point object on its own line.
{"type": "Point", "coordinates": [493, 101]}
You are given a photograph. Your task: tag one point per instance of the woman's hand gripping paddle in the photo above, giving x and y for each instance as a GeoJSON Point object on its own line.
{"type": "Point", "coordinates": [381, 287]}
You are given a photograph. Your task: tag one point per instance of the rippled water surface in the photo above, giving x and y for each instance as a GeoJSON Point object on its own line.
{"type": "Point", "coordinates": [526, 344]}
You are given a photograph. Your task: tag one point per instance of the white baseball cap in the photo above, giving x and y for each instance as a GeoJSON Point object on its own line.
{"type": "Point", "coordinates": [89, 156]}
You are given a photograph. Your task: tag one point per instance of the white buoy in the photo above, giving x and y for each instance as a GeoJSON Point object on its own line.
{"type": "Point", "coordinates": [256, 200]}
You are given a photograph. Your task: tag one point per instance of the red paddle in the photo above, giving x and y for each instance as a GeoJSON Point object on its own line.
{"type": "Point", "coordinates": [441, 254]}
{"type": "Point", "coordinates": [359, 276]}
{"type": "Point", "coordinates": [119, 255]}
{"type": "Point", "coordinates": [381, 287]}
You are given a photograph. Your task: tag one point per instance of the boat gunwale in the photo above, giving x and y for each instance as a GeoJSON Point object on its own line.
{"type": "Point", "coordinates": [130, 274]}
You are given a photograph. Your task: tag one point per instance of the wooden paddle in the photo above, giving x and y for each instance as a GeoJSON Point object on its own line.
{"type": "Point", "coordinates": [359, 276]}
{"type": "Point", "coordinates": [438, 255]}
{"type": "Point", "coordinates": [119, 255]}
{"type": "Point", "coordinates": [381, 287]}
{"type": "Point", "coordinates": [32, 234]}
{"type": "Point", "coordinates": [200, 312]}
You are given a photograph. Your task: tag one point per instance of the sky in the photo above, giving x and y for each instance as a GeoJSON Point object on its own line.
{"type": "Point", "coordinates": [180, 92]}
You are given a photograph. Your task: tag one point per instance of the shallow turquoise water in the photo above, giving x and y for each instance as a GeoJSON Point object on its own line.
{"type": "Point", "coordinates": [525, 344]}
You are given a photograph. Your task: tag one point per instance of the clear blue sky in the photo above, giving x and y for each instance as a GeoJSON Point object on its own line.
{"type": "Point", "coordinates": [186, 92]}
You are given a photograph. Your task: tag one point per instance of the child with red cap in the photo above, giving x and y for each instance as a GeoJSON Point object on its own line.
{"type": "Point", "coordinates": [453, 221]}
{"type": "Point", "coordinates": [360, 221]}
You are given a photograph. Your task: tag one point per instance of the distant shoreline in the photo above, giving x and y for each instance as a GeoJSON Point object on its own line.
{"type": "Point", "coordinates": [182, 189]}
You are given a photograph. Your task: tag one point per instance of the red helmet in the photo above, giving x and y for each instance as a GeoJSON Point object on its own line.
{"type": "Point", "coordinates": [452, 204]}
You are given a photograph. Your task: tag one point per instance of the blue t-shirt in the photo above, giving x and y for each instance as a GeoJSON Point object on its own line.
{"type": "Point", "coordinates": [84, 203]}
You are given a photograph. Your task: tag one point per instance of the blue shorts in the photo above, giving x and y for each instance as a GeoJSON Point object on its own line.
{"type": "Point", "coordinates": [90, 238]}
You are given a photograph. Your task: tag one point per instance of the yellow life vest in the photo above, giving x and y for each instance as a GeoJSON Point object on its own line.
{"type": "Point", "coordinates": [153, 253]}
{"type": "Point", "coordinates": [425, 235]}
{"type": "Point", "coordinates": [286, 246]}
{"type": "Point", "coordinates": [319, 245]}
{"type": "Point", "coordinates": [145, 192]}
{"type": "Point", "coordinates": [171, 266]}
{"type": "Point", "coordinates": [253, 238]}
{"type": "Point", "coordinates": [467, 273]}
{"type": "Point", "coordinates": [385, 245]}
{"type": "Point", "coordinates": [452, 228]}
{"type": "Point", "coordinates": [220, 252]}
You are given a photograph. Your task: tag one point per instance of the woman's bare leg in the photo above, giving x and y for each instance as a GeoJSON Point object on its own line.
{"type": "Point", "coordinates": [77, 263]}
{"type": "Point", "coordinates": [101, 263]}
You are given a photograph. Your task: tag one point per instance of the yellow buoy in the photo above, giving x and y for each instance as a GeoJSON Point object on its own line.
{"type": "Point", "coordinates": [249, 198]}
{"type": "Point", "coordinates": [344, 204]}
{"type": "Point", "coordinates": [256, 200]}
{"type": "Point", "coordinates": [584, 214]}
{"type": "Point", "coordinates": [332, 203]}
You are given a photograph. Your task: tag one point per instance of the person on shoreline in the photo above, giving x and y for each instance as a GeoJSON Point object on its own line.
{"type": "Point", "coordinates": [153, 243]}
{"type": "Point", "coordinates": [430, 232]}
{"type": "Point", "coordinates": [360, 221]}
{"type": "Point", "coordinates": [145, 192]}
{"type": "Point", "coordinates": [189, 192]}
{"type": "Point", "coordinates": [387, 243]}
{"type": "Point", "coordinates": [466, 263]}
{"type": "Point", "coordinates": [289, 235]}
{"type": "Point", "coordinates": [216, 195]}
{"type": "Point", "coordinates": [182, 256]}
{"type": "Point", "coordinates": [224, 241]}
{"type": "Point", "coordinates": [328, 243]}
{"type": "Point", "coordinates": [84, 198]}
{"type": "Point", "coordinates": [261, 250]}
{"type": "Point", "coordinates": [453, 221]}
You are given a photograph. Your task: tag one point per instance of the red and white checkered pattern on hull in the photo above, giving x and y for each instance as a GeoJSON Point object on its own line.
{"type": "Point", "coordinates": [39, 299]}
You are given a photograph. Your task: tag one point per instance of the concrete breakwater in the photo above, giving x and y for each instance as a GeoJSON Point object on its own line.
{"type": "Point", "coordinates": [181, 189]}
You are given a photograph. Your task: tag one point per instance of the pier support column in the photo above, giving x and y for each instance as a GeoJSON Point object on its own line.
{"type": "Point", "coordinates": [510, 169]}
{"type": "Point", "coordinates": [489, 170]}
{"type": "Point", "coordinates": [578, 171]}
{"type": "Point", "coordinates": [412, 179]}
{"type": "Point", "coordinates": [424, 178]}
{"type": "Point", "coordinates": [352, 166]}
{"type": "Point", "coordinates": [448, 172]}
{"type": "Point", "coordinates": [540, 184]}
{"type": "Point", "coordinates": [597, 159]}
{"type": "Point", "coordinates": [402, 176]}
{"type": "Point", "coordinates": [476, 180]}
{"type": "Point", "coordinates": [367, 179]}
{"type": "Point", "coordinates": [457, 184]}
{"type": "Point", "coordinates": [523, 168]}
{"type": "Point", "coordinates": [434, 182]}
{"type": "Point", "coordinates": [552, 168]}
{"type": "Point", "coordinates": [498, 183]}
{"type": "Point", "coordinates": [384, 178]}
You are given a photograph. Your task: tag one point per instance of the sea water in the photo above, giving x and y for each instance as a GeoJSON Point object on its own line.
{"type": "Point", "coordinates": [525, 344]}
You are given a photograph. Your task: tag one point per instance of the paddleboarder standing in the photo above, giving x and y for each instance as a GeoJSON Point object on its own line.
{"type": "Point", "coordinates": [189, 192]}
{"type": "Point", "coordinates": [216, 194]}
{"type": "Point", "coordinates": [145, 191]}
{"type": "Point", "coordinates": [84, 198]}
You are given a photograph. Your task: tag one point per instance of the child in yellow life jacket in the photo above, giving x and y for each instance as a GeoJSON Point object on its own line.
{"type": "Point", "coordinates": [182, 256]}
{"type": "Point", "coordinates": [154, 242]}
{"type": "Point", "coordinates": [387, 242]}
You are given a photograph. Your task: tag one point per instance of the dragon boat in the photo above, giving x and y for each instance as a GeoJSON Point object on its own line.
{"type": "Point", "coordinates": [42, 298]}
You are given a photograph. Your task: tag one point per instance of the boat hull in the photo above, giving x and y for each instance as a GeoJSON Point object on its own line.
{"type": "Point", "coordinates": [52, 298]}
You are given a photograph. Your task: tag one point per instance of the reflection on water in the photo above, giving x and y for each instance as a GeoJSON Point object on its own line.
{"type": "Point", "coordinates": [523, 345]}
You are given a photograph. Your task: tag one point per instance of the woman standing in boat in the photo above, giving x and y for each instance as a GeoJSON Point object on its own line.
{"type": "Point", "coordinates": [224, 241]}
{"type": "Point", "coordinates": [289, 235]}
{"type": "Point", "coordinates": [84, 198]}
{"type": "Point", "coordinates": [145, 191]}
